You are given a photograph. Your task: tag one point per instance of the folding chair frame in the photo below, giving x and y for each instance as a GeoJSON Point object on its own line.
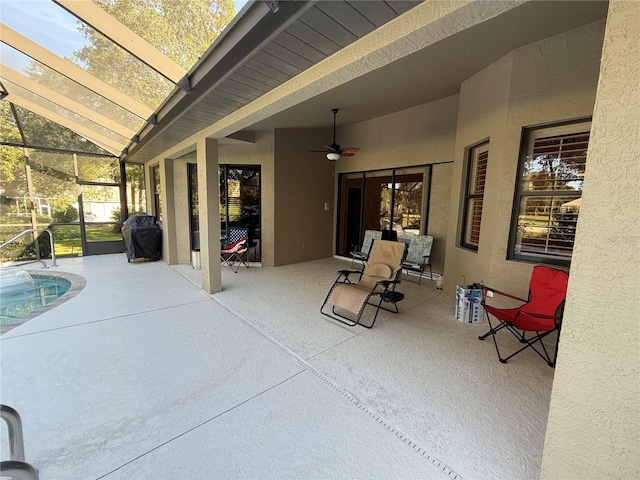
{"type": "Point", "coordinates": [252, 245]}
{"type": "Point", "coordinates": [363, 253]}
{"type": "Point", "coordinates": [235, 252]}
{"type": "Point", "coordinates": [419, 269]}
{"type": "Point", "coordinates": [415, 262]}
{"type": "Point", "coordinates": [387, 295]}
{"type": "Point", "coordinates": [521, 335]}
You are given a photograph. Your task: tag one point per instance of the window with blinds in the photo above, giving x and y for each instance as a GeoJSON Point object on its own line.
{"type": "Point", "coordinates": [549, 192]}
{"type": "Point", "coordinates": [474, 195]}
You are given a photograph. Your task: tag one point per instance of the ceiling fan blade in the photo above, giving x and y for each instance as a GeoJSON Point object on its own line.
{"type": "Point", "coordinates": [334, 151]}
{"type": "Point", "coordinates": [349, 151]}
{"type": "Point", "coordinates": [332, 148]}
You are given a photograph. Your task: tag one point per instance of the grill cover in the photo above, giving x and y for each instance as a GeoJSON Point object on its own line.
{"type": "Point", "coordinates": [142, 237]}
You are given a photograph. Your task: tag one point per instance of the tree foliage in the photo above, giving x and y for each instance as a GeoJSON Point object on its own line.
{"type": "Point", "coordinates": [182, 29]}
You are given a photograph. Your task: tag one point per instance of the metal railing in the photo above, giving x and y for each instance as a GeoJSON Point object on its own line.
{"type": "Point", "coordinates": [18, 470]}
{"type": "Point", "coordinates": [35, 230]}
{"type": "Point", "coordinates": [16, 467]}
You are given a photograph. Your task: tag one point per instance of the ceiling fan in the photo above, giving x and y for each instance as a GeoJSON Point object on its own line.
{"type": "Point", "coordinates": [333, 151]}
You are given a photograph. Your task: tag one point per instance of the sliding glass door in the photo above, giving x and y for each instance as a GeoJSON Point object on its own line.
{"type": "Point", "coordinates": [393, 201]}
{"type": "Point", "coordinates": [240, 201]}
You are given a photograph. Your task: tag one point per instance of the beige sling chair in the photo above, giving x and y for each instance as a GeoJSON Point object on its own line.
{"type": "Point", "coordinates": [375, 285]}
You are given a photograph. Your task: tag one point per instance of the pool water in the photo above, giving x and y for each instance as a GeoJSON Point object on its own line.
{"type": "Point", "coordinates": [22, 293]}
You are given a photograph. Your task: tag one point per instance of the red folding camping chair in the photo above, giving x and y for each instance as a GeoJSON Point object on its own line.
{"type": "Point", "coordinates": [539, 316]}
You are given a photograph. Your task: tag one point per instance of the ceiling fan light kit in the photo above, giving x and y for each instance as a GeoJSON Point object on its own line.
{"type": "Point", "coordinates": [333, 151]}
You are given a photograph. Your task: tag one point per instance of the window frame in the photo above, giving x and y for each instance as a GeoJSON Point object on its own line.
{"type": "Point", "coordinates": [361, 179]}
{"type": "Point", "coordinates": [156, 191]}
{"type": "Point", "coordinates": [472, 153]}
{"type": "Point", "coordinates": [527, 138]}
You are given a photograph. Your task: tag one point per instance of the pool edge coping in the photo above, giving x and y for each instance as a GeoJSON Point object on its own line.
{"type": "Point", "coordinates": [78, 282]}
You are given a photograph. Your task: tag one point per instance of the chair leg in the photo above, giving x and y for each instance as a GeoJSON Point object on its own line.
{"type": "Point", "coordinates": [231, 260]}
{"type": "Point", "coordinates": [375, 316]}
{"type": "Point", "coordinates": [378, 306]}
{"type": "Point", "coordinates": [530, 342]}
{"type": "Point", "coordinates": [391, 297]}
{"type": "Point", "coordinates": [334, 315]}
{"type": "Point", "coordinates": [242, 260]}
{"type": "Point", "coordinates": [492, 331]}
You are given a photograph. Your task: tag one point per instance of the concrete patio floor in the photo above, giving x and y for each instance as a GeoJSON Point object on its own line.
{"type": "Point", "coordinates": [143, 375]}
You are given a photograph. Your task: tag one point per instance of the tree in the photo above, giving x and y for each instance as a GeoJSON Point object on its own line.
{"type": "Point", "coordinates": [182, 29]}
{"type": "Point", "coordinates": [135, 181]}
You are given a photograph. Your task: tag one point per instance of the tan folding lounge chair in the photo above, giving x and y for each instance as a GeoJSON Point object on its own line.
{"type": "Point", "coordinates": [376, 285]}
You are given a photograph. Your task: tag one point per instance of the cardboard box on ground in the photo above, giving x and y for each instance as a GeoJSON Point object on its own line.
{"type": "Point", "coordinates": [469, 307]}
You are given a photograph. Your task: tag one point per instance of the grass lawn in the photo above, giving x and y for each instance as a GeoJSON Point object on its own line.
{"type": "Point", "coordinates": [67, 237]}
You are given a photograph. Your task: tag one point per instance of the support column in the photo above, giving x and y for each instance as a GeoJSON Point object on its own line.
{"type": "Point", "coordinates": [32, 204]}
{"type": "Point", "coordinates": [594, 415]}
{"type": "Point", "coordinates": [209, 211]}
{"type": "Point", "coordinates": [169, 237]}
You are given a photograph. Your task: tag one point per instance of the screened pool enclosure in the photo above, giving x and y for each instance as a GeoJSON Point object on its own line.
{"type": "Point", "coordinates": [79, 82]}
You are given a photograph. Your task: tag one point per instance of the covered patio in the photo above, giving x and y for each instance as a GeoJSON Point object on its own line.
{"type": "Point", "coordinates": [150, 377]}
{"type": "Point", "coordinates": [158, 370]}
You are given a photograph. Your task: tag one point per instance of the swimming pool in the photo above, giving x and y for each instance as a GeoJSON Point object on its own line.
{"type": "Point", "coordinates": [25, 294]}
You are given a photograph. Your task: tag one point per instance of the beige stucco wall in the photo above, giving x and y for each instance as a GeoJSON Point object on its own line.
{"type": "Point", "coordinates": [303, 185]}
{"type": "Point", "coordinates": [594, 420]}
{"type": "Point", "coordinates": [181, 205]}
{"type": "Point", "coordinates": [416, 136]}
{"type": "Point", "coordinates": [482, 115]}
{"type": "Point", "coordinates": [295, 185]}
{"type": "Point", "coordinates": [438, 226]}
{"type": "Point", "coordinates": [547, 81]}
{"type": "Point", "coordinates": [420, 135]}
{"type": "Point", "coordinates": [258, 153]}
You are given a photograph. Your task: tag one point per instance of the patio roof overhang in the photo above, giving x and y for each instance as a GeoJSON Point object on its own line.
{"type": "Point", "coordinates": [411, 77]}
{"type": "Point", "coordinates": [270, 44]}
{"type": "Point", "coordinates": [260, 51]}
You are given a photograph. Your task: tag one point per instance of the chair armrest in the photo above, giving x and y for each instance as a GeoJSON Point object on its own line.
{"type": "Point", "coordinates": [387, 283]}
{"type": "Point", "coordinates": [345, 274]}
{"type": "Point", "coordinates": [540, 315]}
{"type": "Point", "coordinates": [485, 289]}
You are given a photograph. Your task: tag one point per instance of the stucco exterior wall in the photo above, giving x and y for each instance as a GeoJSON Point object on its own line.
{"type": "Point", "coordinates": [482, 116]}
{"type": "Point", "coordinates": [416, 136]}
{"type": "Point", "coordinates": [181, 205]}
{"type": "Point", "coordinates": [303, 185]}
{"type": "Point", "coordinates": [594, 420]}
{"type": "Point", "coordinates": [547, 81]}
{"type": "Point", "coordinates": [258, 153]}
{"type": "Point", "coordinates": [438, 225]}
{"type": "Point", "coordinates": [420, 135]}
